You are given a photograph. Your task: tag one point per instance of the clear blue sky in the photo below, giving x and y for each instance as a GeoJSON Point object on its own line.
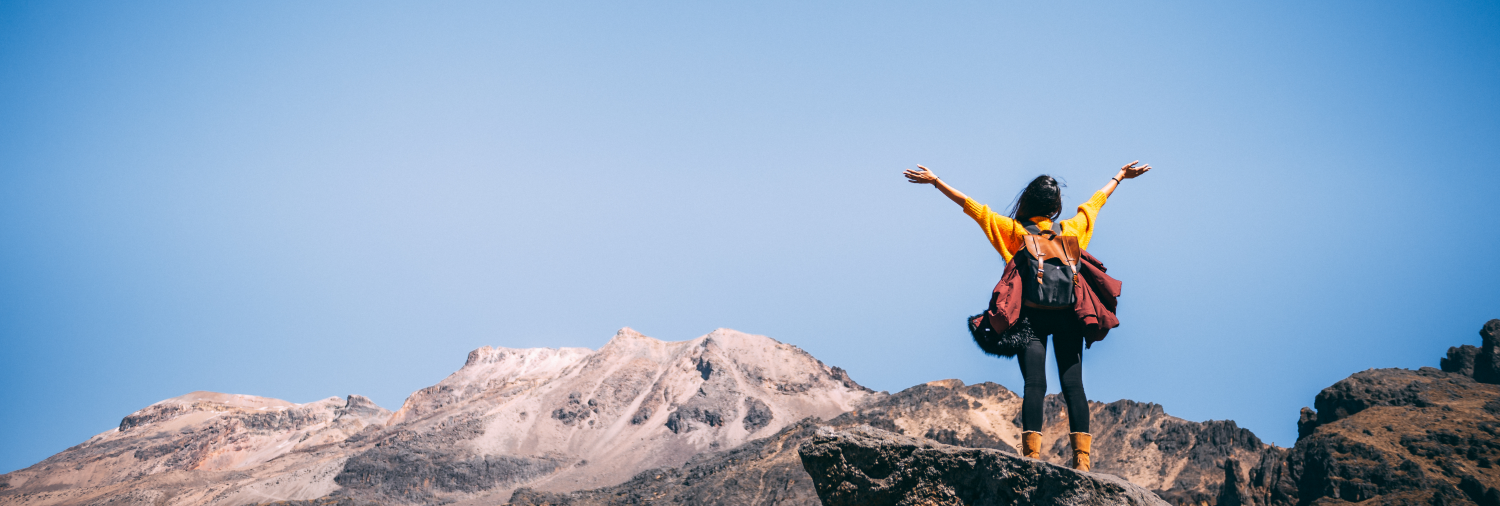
{"type": "Point", "coordinates": [304, 200]}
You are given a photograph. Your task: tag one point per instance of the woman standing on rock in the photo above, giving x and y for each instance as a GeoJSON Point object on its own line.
{"type": "Point", "coordinates": [1036, 209]}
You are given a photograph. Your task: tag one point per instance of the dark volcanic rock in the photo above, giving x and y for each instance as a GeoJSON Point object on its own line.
{"type": "Point", "coordinates": [1482, 363]}
{"type": "Point", "coordinates": [868, 466]}
{"type": "Point", "coordinates": [1460, 360]}
{"type": "Point", "coordinates": [757, 414]}
{"type": "Point", "coordinates": [1234, 491]}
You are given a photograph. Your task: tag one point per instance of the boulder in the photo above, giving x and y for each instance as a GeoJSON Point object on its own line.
{"type": "Point", "coordinates": [868, 466]}
{"type": "Point", "coordinates": [1487, 361]}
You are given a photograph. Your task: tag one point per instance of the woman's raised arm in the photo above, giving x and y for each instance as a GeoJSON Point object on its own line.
{"type": "Point", "coordinates": [923, 175]}
{"type": "Point", "coordinates": [1127, 172]}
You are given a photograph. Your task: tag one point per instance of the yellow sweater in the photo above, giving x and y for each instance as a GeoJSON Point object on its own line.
{"type": "Point", "coordinates": [1005, 233]}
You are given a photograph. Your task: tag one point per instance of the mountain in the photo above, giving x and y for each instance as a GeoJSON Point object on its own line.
{"type": "Point", "coordinates": [720, 419]}
{"type": "Point", "coordinates": [551, 419]}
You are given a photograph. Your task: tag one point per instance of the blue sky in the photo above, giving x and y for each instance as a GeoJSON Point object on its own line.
{"type": "Point", "coordinates": [307, 200]}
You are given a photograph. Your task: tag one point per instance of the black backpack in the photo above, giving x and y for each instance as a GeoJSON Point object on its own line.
{"type": "Point", "coordinates": [1049, 266]}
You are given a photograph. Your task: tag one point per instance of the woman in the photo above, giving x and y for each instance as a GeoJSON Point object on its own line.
{"type": "Point", "coordinates": [1041, 203]}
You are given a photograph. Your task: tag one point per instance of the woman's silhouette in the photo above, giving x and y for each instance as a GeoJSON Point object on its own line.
{"type": "Point", "coordinates": [1041, 203]}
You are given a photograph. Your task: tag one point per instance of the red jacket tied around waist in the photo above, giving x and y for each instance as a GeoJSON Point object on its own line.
{"type": "Point", "coordinates": [1095, 297]}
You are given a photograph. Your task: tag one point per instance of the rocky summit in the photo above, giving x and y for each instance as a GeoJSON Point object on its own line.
{"type": "Point", "coordinates": [865, 466]}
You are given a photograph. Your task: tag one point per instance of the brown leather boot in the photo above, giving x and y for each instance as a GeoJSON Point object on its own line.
{"type": "Point", "coordinates": [1031, 444]}
{"type": "Point", "coordinates": [1082, 442]}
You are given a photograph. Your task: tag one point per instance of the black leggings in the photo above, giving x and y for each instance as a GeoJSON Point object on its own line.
{"type": "Point", "coordinates": [1067, 343]}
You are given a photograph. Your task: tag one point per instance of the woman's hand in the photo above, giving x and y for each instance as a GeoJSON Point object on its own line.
{"type": "Point", "coordinates": [1131, 170]}
{"type": "Point", "coordinates": [923, 175]}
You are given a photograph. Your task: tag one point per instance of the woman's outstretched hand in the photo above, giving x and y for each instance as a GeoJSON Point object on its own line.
{"type": "Point", "coordinates": [1133, 169]}
{"type": "Point", "coordinates": [922, 175]}
{"type": "Point", "coordinates": [1130, 170]}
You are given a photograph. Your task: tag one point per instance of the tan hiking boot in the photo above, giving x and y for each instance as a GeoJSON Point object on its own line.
{"type": "Point", "coordinates": [1082, 442]}
{"type": "Point", "coordinates": [1031, 444]}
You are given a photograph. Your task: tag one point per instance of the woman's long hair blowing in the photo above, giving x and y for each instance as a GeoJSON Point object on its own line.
{"type": "Point", "coordinates": [1043, 197]}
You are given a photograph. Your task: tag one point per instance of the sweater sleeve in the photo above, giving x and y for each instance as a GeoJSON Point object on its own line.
{"type": "Point", "coordinates": [1082, 225]}
{"type": "Point", "coordinates": [1002, 231]}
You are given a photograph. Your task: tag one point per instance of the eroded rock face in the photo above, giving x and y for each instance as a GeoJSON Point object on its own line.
{"type": "Point", "coordinates": [866, 466]}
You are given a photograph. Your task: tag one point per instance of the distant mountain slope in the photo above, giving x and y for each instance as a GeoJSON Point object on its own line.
{"type": "Point", "coordinates": [196, 449]}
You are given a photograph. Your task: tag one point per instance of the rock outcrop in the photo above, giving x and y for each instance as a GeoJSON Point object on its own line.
{"type": "Point", "coordinates": [866, 466]}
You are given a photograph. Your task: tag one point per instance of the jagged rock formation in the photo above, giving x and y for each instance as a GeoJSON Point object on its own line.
{"type": "Point", "coordinates": [1174, 457]}
{"type": "Point", "coordinates": [866, 466]}
{"type": "Point", "coordinates": [193, 450]}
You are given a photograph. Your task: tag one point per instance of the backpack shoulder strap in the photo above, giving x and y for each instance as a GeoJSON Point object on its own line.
{"type": "Point", "coordinates": [1034, 230]}
{"type": "Point", "coordinates": [1030, 226]}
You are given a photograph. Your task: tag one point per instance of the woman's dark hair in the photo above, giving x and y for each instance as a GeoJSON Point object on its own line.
{"type": "Point", "coordinates": [1043, 197]}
